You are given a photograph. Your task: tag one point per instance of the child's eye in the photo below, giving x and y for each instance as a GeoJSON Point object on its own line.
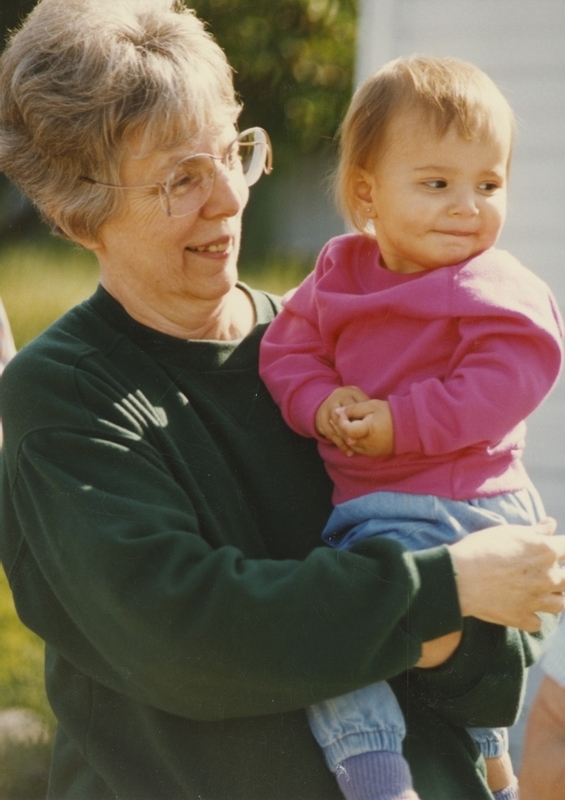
{"type": "Point", "coordinates": [439, 184]}
{"type": "Point", "coordinates": [488, 186]}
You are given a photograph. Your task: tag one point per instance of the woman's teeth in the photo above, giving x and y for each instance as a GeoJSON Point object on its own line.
{"type": "Point", "coordinates": [210, 248]}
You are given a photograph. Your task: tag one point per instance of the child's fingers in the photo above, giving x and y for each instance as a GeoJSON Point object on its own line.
{"type": "Point", "coordinates": [357, 411]}
{"type": "Point", "coordinates": [353, 429]}
{"type": "Point", "coordinates": [343, 445]}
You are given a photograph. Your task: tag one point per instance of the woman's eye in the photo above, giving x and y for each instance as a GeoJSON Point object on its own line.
{"type": "Point", "coordinates": [189, 175]}
{"type": "Point", "coordinates": [436, 184]}
{"type": "Point", "coordinates": [181, 180]}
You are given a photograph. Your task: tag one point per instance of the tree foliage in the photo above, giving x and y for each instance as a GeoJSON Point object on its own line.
{"type": "Point", "coordinates": [12, 12]}
{"type": "Point", "coordinates": [293, 60]}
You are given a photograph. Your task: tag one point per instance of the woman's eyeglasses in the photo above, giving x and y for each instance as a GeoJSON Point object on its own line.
{"type": "Point", "coordinates": [189, 183]}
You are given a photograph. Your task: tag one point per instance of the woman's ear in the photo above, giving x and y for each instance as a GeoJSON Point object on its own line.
{"type": "Point", "coordinates": [86, 242]}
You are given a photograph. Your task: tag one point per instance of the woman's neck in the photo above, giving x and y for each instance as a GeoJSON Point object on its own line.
{"type": "Point", "coordinates": [229, 317]}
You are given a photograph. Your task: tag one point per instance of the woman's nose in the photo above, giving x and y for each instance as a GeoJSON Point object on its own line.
{"type": "Point", "coordinates": [229, 194]}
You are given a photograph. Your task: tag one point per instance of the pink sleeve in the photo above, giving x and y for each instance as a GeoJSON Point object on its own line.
{"type": "Point", "coordinates": [503, 368]}
{"type": "Point", "coordinates": [294, 361]}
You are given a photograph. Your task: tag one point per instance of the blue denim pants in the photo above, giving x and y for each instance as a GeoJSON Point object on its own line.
{"type": "Point", "coordinates": [370, 718]}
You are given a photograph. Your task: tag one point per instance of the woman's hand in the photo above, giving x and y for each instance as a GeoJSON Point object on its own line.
{"type": "Point", "coordinates": [506, 574]}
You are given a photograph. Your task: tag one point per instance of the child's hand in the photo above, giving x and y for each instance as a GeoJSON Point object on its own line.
{"type": "Point", "coordinates": [325, 419]}
{"type": "Point", "coordinates": [366, 427]}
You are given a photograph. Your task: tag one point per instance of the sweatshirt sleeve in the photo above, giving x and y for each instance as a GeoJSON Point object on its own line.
{"type": "Point", "coordinates": [296, 361]}
{"type": "Point", "coordinates": [507, 360]}
{"type": "Point", "coordinates": [124, 573]}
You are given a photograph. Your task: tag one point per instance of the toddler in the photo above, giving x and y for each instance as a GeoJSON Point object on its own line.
{"type": "Point", "coordinates": [413, 353]}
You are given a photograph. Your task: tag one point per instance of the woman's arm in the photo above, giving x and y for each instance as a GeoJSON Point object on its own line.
{"type": "Point", "coordinates": [172, 599]}
{"type": "Point", "coordinates": [520, 592]}
{"type": "Point", "coordinates": [480, 682]}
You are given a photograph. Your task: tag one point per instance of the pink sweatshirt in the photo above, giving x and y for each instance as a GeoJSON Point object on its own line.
{"type": "Point", "coordinates": [462, 354]}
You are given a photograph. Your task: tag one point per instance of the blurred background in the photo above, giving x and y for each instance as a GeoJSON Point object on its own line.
{"type": "Point", "coordinates": [296, 63]}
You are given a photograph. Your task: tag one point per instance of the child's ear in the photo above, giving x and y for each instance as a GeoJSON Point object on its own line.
{"type": "Point", "coordinates": [364, 184]}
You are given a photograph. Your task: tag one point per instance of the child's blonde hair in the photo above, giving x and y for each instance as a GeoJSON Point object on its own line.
{"type": "Point", "coordinates": [445, 91]}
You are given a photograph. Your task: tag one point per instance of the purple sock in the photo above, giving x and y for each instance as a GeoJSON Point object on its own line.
{"type": "Point", "coordinates": [509, 793]}
{"type": "Point", "coordinates": [376, 776]}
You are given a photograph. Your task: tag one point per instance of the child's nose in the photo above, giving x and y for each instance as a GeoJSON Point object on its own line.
{"type": "Point", "coordinates": [464, 202]}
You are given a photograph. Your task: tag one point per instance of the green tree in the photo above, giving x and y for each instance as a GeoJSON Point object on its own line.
{"type": "Point", "coordinates": [293, 62]}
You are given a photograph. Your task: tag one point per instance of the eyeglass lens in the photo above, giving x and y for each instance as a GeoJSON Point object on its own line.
{"type": "Point", "coordinates": [190, 183]}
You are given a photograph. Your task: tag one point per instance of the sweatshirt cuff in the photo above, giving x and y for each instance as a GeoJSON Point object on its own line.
{"type": "Point", "coordinates": [435, 609]}
{"type": "Point", "coordinates": [304, 406]}
{"type": "Point", "coordinates": [406, 438]}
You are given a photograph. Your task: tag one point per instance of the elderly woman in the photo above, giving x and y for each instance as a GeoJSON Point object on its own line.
{"type": "Point", "coordinates": [160, 523]}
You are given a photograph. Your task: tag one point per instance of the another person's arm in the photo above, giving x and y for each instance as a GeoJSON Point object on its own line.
{"type": "Point", "coordinates": [297, 361]}
{"type": "Point", "coordinates": [542, 774]}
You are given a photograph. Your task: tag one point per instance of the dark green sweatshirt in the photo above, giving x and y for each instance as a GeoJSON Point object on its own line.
{"type": "Point", "coordinates": [161, 533]}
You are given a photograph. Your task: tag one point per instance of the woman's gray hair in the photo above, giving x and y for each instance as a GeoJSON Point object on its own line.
{"type": "Point", "coordinates": [80, 77]}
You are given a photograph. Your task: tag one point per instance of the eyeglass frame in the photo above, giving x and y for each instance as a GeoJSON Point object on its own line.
{"type": "Point", "coordinates": [164, 187]}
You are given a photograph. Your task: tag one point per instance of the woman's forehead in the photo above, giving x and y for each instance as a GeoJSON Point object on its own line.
{"type": "Point", "coordinates": [176, 132]}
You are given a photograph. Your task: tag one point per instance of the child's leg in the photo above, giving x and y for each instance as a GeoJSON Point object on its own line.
{"type": "Point", "coordinates": [493, 743]}
{"type": "Point", "coordinates": [361, 735]}
{"type": "Point", "coordinates": [500, 773]}
{"type": "Point", "coordinates": [418, 522]}
{"type": "Point", "coordinates": [375, 776]}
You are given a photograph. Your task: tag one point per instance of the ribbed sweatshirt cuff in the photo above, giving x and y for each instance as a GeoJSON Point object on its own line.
{"type": "Point", "coordinates": [435, 609]}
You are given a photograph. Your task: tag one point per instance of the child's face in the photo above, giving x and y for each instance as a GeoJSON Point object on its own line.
{"type": "Point", "coordinates": [435, 201]}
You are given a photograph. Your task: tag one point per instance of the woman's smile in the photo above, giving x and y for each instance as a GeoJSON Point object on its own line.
{"type": "Point", "coordinates": [220, 246]}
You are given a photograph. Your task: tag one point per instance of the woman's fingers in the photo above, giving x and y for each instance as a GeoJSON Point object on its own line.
{"type": "Point", "coordinates": [557, 545]}
{"type": "Point", "coordinates": [507, 574]}
{"type": "Point", "coordinates": [553, 604]}
{"type": "Point", "coordinates": [547, 526]}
